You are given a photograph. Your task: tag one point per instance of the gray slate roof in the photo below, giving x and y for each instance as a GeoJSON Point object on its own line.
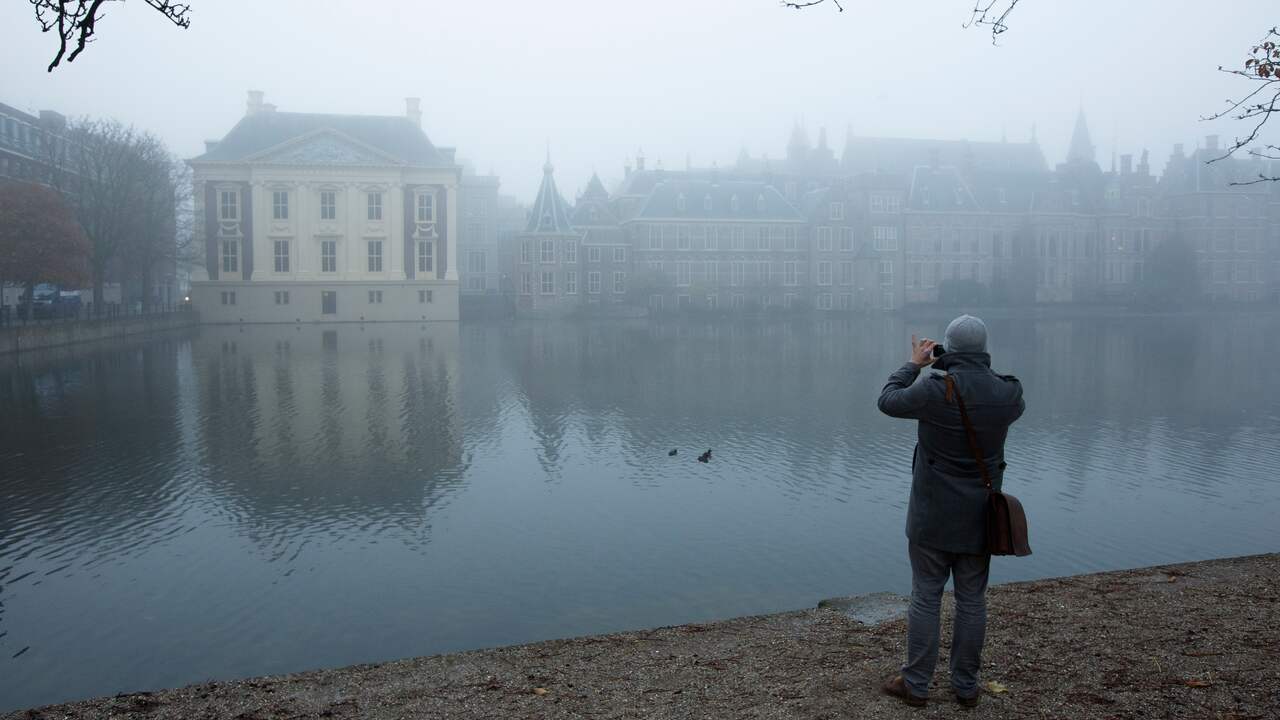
{"type": "Point", "coordinates": [664, 201]}
{"type": "Point", "coordinates": [901, 155]}
{"type": "Point", "coordinates": [550, 213]}
{"type": "Point", "coordinates": [396, 136]}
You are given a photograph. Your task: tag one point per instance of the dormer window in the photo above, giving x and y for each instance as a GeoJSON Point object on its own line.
{"type": "Point", "coordinates": [546, 223]}
{"type": "Point", "coordinates": [837, 211]}
{"type": "Point", "coordinates": [706, 203]}
{"type": "Point", "coordinates": [734, 204]}
{"type": "Point", "coordinates": [680, 203]}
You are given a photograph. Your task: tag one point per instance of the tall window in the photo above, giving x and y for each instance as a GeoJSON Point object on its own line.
{"type": "Point", "coordinates": [229, 205]}
{"type": "Point", "coordinates": [593, 282]}
{"type": "Point", "coordinates": [281, 256]}
{"type": "Point", "coordinates": [886, 272]}
{"type": "Point", "coordinates": [426, 263]}
{"type": "Point", "coordinates": [790, 273]}
{"type": "Point", "coordinates": [885, 237]}
{"type": "Point", "coordinates": [824, 239]}
{"type": "Point", "coordinates": [525, 256]}
{"type": "Point", "coordinates": [593, 254]}
{"type": "Point", "coordinates": [619, 254]}
{"type": "Point", "coordinates": [737, 273]}
{"type": "Point", "coordinates": [846, 272]}
{"type": "Point", "coordinates": [824, 273]}
{"type": "Point", "coordinates": [846, 238]}
{"type": "Point", "coordinates": [619, 282]}
{"type": "Point", "coordinates": [548, 283]}
{"type": "Point", "coordinates": [739, 238]}
{"type": "Point", "coordinates": [328, 205]}
{"type": "Point", "coordinates": [789, 238]}
{"type": "Point", "coordinates": [655, 237]}
{"type": "Point", "coordinates": [375, 256]}
{"type": "Point", "coordinates": [526, 283]}
{"type": "Point", "coordinates": [328, 256]}
{"type": "Point", "coordinates": [547, 251]}
{"type": "Point", "coordinates": [230, 256]}
{"type": "Point", "coordinates": [682, 273]}
{"type": "Point", "coordinates": [476, 261]}
{"type": "Point", "coordinates": [280, 205]}
{"type": "Point", "coordinates": [375, 206]}
{"type": "Point", "coordinates": [571, 251]}
{"type": "Point", "coordinates": [571, 282]}
{"type": "Point", "coordinates": [837, 211]}
{"type": "Point", "coordinates": [682, 237]}
{"type": "Point", "coordinates": [426, 207]}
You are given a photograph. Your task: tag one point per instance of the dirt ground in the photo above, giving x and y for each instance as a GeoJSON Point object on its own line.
{"type": "Point", "coordinates": [1200, 640]}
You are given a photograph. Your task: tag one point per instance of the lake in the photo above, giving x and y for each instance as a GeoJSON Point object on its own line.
{"type": "Point", "coordinates": [235, 501]}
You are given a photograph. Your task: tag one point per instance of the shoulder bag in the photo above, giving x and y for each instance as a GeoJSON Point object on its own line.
{"type": "Point", "coordinates": [1006, 521]}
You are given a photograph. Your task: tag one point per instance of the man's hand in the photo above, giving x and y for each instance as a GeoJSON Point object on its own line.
{"type": "Point", "coordinates": [921, 351]}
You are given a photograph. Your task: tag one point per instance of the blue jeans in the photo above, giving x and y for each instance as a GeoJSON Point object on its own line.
{"type": "Point", "coordinates": [929, 571]}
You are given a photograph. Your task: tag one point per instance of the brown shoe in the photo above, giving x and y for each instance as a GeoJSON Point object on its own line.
{"type": "Point", "coordinates": [897, 687]}
{"type": "Point", "coordinates": [968, 702]}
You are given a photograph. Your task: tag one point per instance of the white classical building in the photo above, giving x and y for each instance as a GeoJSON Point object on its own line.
{"type": "Point", "coordinates": [311, 217]}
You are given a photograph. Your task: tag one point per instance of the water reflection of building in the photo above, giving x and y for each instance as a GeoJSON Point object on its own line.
{"type": "Point", "coordinates": [330, 420]}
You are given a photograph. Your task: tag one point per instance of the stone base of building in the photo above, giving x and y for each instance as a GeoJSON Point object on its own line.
{"type": "Point", "coordinates": [352, 301]}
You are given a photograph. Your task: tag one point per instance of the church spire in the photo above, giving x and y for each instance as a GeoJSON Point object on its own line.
{"type": "Point", "coordinates": [549, 214]}
{"type": "Point", "coordinates": [1081, 149]}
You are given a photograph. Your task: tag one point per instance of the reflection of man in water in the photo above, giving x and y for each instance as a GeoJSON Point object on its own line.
{"type": "Point", "coordinates": [946, 518]}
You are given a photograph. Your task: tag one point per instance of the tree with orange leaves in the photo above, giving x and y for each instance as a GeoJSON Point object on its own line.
{"type": "Point", "coordinates": [40, 239]}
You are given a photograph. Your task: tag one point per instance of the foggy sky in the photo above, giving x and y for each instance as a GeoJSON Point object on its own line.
{"type": "Point", "coordinates": [599, 81]}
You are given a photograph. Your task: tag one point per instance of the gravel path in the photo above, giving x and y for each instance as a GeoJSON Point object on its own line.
{"type": "Point", "coordinates": [1200, 640]}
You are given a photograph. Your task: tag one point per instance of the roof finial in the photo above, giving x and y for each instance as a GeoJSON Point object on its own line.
{"type": "Point", "coordinates": [547, 167]}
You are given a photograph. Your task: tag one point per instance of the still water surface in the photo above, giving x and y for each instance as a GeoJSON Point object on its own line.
{"type": "Point", "coordinates": [238, 501]}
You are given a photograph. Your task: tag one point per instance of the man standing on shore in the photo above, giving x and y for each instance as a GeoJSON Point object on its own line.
{"type": "Point", "coordinates": [946, 517]}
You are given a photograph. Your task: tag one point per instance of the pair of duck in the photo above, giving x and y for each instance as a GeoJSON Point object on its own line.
{"type": "Point", "coordinates": [704, 457]}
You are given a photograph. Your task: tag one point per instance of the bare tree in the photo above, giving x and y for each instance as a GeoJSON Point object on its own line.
{"type": "Point", "coordinates": [990, 13]}
{"type": "Point", "coordinates": [76, 21]}
{"type": "Point", "coordinates": [113, 173]}
{"type": "Point", "coordinates": [161, 239]}
{"type": "Point", "coordinates": [1262, 68]}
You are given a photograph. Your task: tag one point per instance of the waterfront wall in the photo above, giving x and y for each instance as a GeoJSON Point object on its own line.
{"type": "Point", "coordinates": [37, 336]}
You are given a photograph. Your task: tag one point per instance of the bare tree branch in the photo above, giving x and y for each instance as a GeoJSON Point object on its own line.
{"type": "Point", "coordinates": [1257, 106]}
{"type": "Point", "coordinates": [992, 13]}
{"type": "Point", "coordinates": [76, 20]}
{"type": "Point", "coordinates": [802, 4]}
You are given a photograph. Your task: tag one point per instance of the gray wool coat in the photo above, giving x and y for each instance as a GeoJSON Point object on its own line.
{"type": "Point", "coordinates": [948, 499]}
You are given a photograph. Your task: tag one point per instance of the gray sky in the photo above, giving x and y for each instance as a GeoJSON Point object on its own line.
{"type": "Point", "coordinates": [601, 80]}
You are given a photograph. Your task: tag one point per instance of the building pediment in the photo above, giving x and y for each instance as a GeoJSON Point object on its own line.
{"type": "Point", "coordinates": [324, 147]}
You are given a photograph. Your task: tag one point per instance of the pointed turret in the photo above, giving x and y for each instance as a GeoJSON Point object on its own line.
{"type": "Point", "coordinates": [549, 213]}
{"type": "Point", "coordinates": [595, 189]}
{"type": "Point", "coordinates": [1081, 149]}
{"type": "Point", "coordinates": [798, 145]}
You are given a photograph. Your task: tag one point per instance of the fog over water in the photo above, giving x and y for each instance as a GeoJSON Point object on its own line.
{"type": "Point", "coordinates": [231, 502]}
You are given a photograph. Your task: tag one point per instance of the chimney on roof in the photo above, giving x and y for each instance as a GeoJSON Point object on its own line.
{"type": "Point", "coordinates": [413, 110]}
{"type": "Point", "coordinates": [1144, 167]}
{"type": "Point", "coordinates": [254, 105]}
{"type": "Point", "coordinates": [640, 162]}
{"type": "Point", "coordinates": [1126, 164]}
{"type": "Point", "coordinates": [1211, 142]}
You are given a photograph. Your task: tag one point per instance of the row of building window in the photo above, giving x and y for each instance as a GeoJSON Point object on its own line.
{"type": "Point", "coordinates": [328, 256]}
{"type": "Point", "coordinates": [281, 297]}
{"type": "Point", "coordinates": [229, 206]}
{"type": "Point", "coordinates": [547, 252]}
{"type": "Point", "coordinates": [547, 282]}
{"type": "Point", "coordinates": [739, 301]}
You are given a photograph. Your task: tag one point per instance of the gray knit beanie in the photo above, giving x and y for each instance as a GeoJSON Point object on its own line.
{"type": "Point", "coordinates": [966, 334]}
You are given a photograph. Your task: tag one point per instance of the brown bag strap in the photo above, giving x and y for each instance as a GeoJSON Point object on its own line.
{"type": "Point", "coordinates": [969, 433]}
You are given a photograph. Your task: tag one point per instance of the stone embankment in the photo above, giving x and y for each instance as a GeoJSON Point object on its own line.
{"type": "Point", "coordinates": [21, 338]}
{"type": "Point", "coordinates": [1200, 640]}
